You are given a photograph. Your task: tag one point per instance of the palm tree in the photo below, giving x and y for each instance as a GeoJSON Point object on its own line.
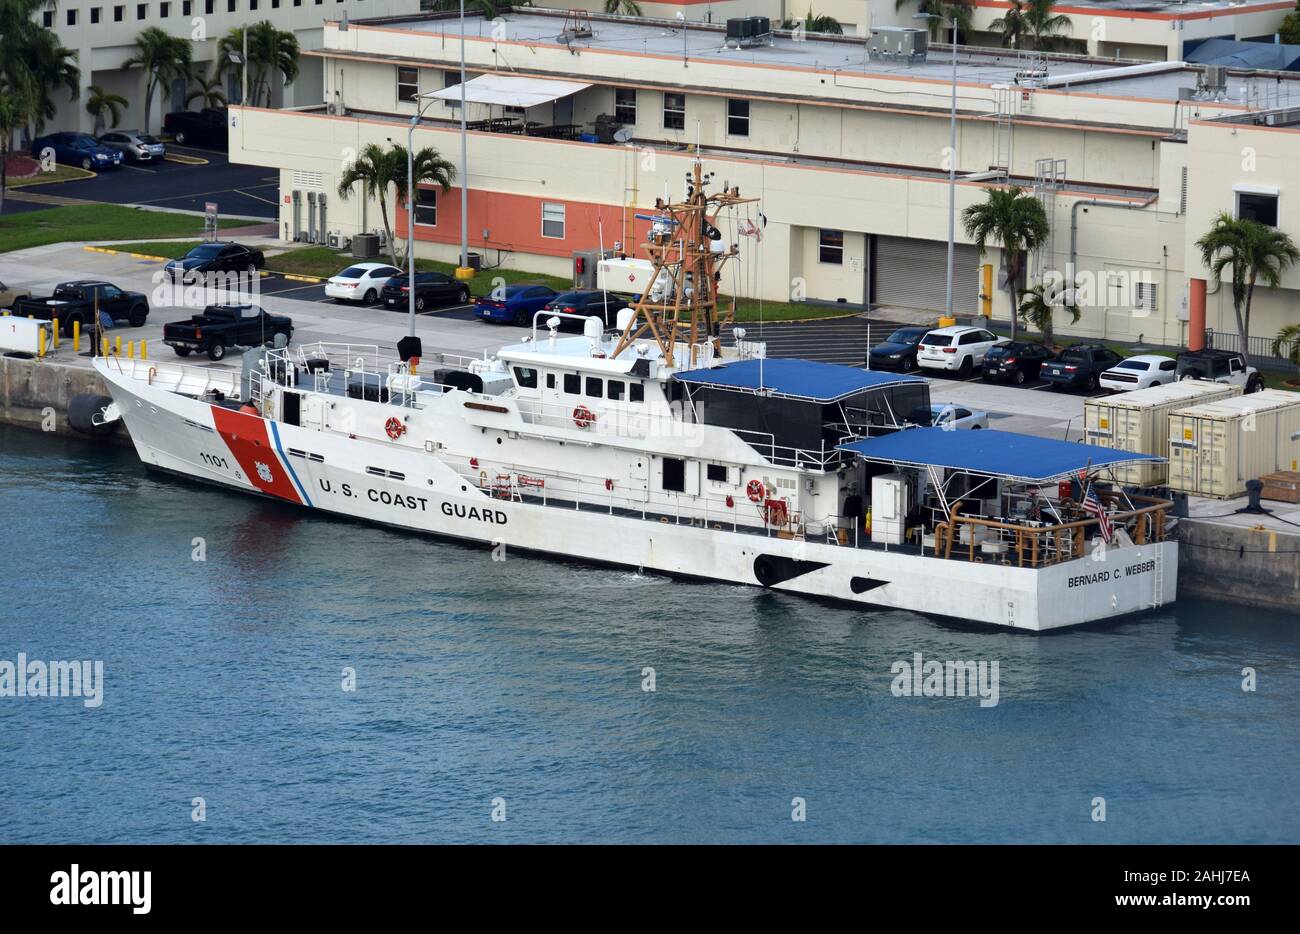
{"type": "Point", "coordinates": [208, 92]}
{"type": "Point", "coordinates": [828, 25]}
{"type": "Point", "coordinates": [1038, 307]}
{"type": "Point", "coordinates": [269, 50]}
{"type": "Point", "coordinates": [1012, 27]}
{"type": "Point", "coordinates": [377, 169]}
{"type": "Point", "coordinates": [13, 114]}
{"type": "Point", "coordinates": [100, 102]}
{"type": "Point", "coordinates": [1017, 223]}
{"type": "Point", "coordinates": [1255, 253]}
{"type": "Point", "coordinates": [163, 58]}
{"type": "Point", "coordinates": [489, 8]}
{"type": "Point", "coordinates": [949, 12]}
{"type": "Point", "coordinates": [1287, 344]}
{"type": "Point", "coordinates": [1043, 23]}
{"type": "Point", "coordinates": [622, 7]}
{"type": "Point", "coordinates": [46, 66]}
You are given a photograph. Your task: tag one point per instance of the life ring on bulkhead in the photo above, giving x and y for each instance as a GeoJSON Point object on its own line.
{"type": "Point", "coordinates": [755, 490]}
{"type": "Point", "coordinates": [583, 417]}
{"type": "Point", "coordinates": [394, 428]}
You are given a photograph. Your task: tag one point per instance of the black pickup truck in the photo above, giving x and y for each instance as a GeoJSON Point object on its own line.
{"type": "Point", "coordinates": [76, 301]}
{"type": "Point", "coordinates": [224, 326]}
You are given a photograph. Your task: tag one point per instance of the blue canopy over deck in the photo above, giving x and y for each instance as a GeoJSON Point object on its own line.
{"type": "Point", "coordinates": [987, 453]}
{"type": "Point", "coordinates": [802, 380]}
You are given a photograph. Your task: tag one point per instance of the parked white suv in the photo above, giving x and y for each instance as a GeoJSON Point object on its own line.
{"type": "Point", "coordinates": [959, 348]}
{"type": "Point", "coordinates": [1139, 372]}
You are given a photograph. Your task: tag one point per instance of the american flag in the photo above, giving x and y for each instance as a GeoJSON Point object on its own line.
{"type": "Point", "coordinates": [1093, 506]}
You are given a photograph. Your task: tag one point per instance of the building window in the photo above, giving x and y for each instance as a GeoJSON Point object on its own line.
{"type": "Point", "coordinates": [232, 6]}
{"type": "Point", "coordinates": [552, 220]}
{"type": "Point", "coordinates": [1253, 206]}
{"type": "Point", "coordinates": [717, 473]}
{"type": "Point", "coordinates": [164, 10]}
{"type": "Point", "coordinates": [625, 105]}
{"type": "Point", "coordinates": [47, 19]}
{"type": "Point", "coordinates": [426, 207]}
{"type": "Point", "coordinates": [187, 8]}
{"type": "Point", "coordinates": [141, 10]}
{"type": "Point", "coordinates": [119, 13]}
{"type": "Point", "coordinates": [408, 84]}
{"type": "Point", "coordinates": [674, 111]}
{"type": "Point", "coordinates": [208, 6]}
{"type": "Point", "coordinates": [449, 80]}
{"type": "Point", "coordinates": [1145, 295]}
{"type": "Point", "coordinates": [94, 15]}
{"type": "Point", "coordinates": [737, 118]}
{"type": "Point", "coordinates": [830, 247]}
{"type": "Point", "coordinates": [674, 475]}
{"type": "Point", "coordinates": [275, 4]}
{"type": "Point", "coordinates": [252, 5]}
{"type": "Point", "coordinates": [72, 17]}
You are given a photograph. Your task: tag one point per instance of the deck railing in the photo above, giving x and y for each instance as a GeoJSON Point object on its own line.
{"type": "Point", "coordinates": [1039, 545]}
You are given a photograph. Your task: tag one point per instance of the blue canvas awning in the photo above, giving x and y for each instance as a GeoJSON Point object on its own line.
{"type": "Point", "coordinates": [990, 453]}
{"type": "Point", "coordinates": [804, 380]}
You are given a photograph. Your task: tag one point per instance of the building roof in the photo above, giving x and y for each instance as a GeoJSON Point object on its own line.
{"type": "Point", "coordinates": [990, 453]}
{"type": "Point", "coordinates": [1235, 54]}
{"type": "Point", "coordinates": [804, 380]}
{"type": "Point", "coordinates": [510, 90]}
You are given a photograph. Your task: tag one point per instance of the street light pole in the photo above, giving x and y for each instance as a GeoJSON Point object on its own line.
{"type": "Point", "coordinates": [410, 211]}
{"type": "Point", "coordinates": [952, 165]}
{"type": "Point", "coordinates": [464, 153]}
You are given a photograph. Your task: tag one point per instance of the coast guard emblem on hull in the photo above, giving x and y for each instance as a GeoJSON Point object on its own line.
{"type": "Point", "coordinates": [264, 472]}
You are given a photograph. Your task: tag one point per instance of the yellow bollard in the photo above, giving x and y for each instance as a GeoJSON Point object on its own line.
{"type": "Point", "coordinates": [130, 350]}
{"type": "Point", "coordinates": [117, 346]}
{"type": "Point", "coordinates": [76, 336]}
{"type": "Point", "coordinates": [103, 349]}
{"type": "Point", "coordinates": [40, 342]}
{"type": "Point", "coordinates": [144, 349]}
{"type": "Point", "coordinates": [55, 322]}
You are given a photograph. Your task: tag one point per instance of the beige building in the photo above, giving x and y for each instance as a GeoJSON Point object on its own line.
{"type": "Point", "coordinates": [848, 156]}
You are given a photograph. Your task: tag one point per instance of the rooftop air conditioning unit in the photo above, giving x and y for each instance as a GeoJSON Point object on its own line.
{"type": "Point", "coordinates": [746, 31]}
{"type": "Point", "coordinates": [898, 43]}
{"type": "Point", "coordinates": [1213, 81]}
{"type": "Point", "coordinates": [338, 241]}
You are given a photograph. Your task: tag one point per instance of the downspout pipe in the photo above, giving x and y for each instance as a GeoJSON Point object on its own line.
{"type": "Point", "coordinates": [1074, 225]}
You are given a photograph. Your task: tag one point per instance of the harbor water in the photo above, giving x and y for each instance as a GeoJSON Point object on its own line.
{"type": "Point", "coordinates": [286, 676]}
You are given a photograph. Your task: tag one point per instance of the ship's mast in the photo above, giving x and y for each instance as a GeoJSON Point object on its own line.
{"type": "Point", "coordinates": [681, 303]}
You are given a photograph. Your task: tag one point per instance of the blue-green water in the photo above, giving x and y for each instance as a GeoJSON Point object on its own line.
{"type": "Point", "coordinates": [522, 681]}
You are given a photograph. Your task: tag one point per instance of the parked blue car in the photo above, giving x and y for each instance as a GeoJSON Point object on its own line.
{"type": "Point", "coordinates": [513, 304]}
{"type": "Point", "coordinates": [80, 149]}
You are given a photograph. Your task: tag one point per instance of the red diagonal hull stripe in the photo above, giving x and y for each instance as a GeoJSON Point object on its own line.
{"type": "Point", "coordinates": [247, 438]}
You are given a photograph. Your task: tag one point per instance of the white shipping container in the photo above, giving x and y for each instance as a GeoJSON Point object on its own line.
{"type": "Point", "coordinates": [1138, 421]}
{"type": "Point", "coordinates": [1216, 447]}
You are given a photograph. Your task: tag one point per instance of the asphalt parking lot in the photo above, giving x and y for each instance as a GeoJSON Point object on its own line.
{"type": "Point", "coordinates": [241, 190]}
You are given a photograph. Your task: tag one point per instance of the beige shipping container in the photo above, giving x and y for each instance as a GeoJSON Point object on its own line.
{"type": "Point", "coordinates": [1216, 447]}
{"type": "Point", "coordinates": [1138, 421]}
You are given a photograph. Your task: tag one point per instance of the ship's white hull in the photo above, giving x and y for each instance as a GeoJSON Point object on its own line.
{"type": "Point", "coordinates": [193, 438]}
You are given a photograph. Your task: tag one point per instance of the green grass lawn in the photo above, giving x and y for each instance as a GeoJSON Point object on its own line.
{"type": "Point", "coordinates": [323, 262]}
{"type": "Point", "coordinates": [172, 249]}
{"type": "Point", "coordinates": [95, 222]}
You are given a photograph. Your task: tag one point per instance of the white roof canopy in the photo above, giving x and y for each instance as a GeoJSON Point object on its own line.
{"type": "Point", "coordinates": [510, 90]}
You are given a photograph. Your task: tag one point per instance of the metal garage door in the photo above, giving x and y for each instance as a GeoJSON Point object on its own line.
{"type": "Point", "coordinates": [913, 273]}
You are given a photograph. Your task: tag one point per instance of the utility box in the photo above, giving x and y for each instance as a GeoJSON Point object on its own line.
{"type": "Point", "coordinates": [746, 31]}
{"type": "Point", "coordinates": [365, 246]}
{"type": "Point", "coordinates": [1138, 422]}
{"type": "Point", "coordinates": [626, 276]}
{"type": "Point", "coordinates": [584, 268]}
{"type": "Point", "coordinates": [889, 509]}
{"type": "Point", "coordinates": [898, 43]}
{"type": "Point", "coordinates": [1216, 447]}
{"type": "Point", "coordinates": [23, 335]}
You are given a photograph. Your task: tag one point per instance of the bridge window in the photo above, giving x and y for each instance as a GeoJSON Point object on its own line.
{"type": "Point", "coordinates": [716, 473]}
{"type": "Point", "coordinates": [572, 384]}
{"type": "Point", "coordinates": [614, 389]}
{"type": "Point", "coordinates": [674, 480]}
{"type": "Point", "coordinates": [595, 389]}
{"type": "Point", "coordinates": [636, 392]}
{"type": "Point", "coordinates": [526, 377]}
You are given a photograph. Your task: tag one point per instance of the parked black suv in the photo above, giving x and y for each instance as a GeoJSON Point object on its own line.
{"type": "Point", "coordinates": [1018, 361]}
{"type": "Point", "coordinates": [431, 289]}
{"type": "Point", "coordinates": [1079, 366]}
{"type": "Point", "coordinates": [1220, 366]}
{"type": "Point", "coordinates": [898, 351]}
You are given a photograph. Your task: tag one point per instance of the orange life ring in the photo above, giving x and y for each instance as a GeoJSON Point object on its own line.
{"type": "Point", "coordinates": [394, 428]}
{"type": "Point", "coordinates": [755, 490]}
{"type": "Point", "coordinates": [583, 417]}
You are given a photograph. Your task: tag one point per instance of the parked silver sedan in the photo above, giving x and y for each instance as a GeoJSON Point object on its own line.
{"type": "Point", "coordinates": [953, 417]}
{"type": "Point", "coordinates": [135, 146]}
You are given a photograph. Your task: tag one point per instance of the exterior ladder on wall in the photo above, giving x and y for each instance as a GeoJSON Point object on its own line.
{"type": "Point", "coordinates": [1004, 128]}
{"type": "Point", "coordinates": [1049, 176]}
{"type": "Point", "coordinates": [1158, 580]}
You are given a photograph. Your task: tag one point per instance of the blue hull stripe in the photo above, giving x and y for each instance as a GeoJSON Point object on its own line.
{"type": "Point", "coordinates": [275, 433]}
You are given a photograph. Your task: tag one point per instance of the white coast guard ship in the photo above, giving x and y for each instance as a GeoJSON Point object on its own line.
{"type": "Point", "coordinates": [653, 446]}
